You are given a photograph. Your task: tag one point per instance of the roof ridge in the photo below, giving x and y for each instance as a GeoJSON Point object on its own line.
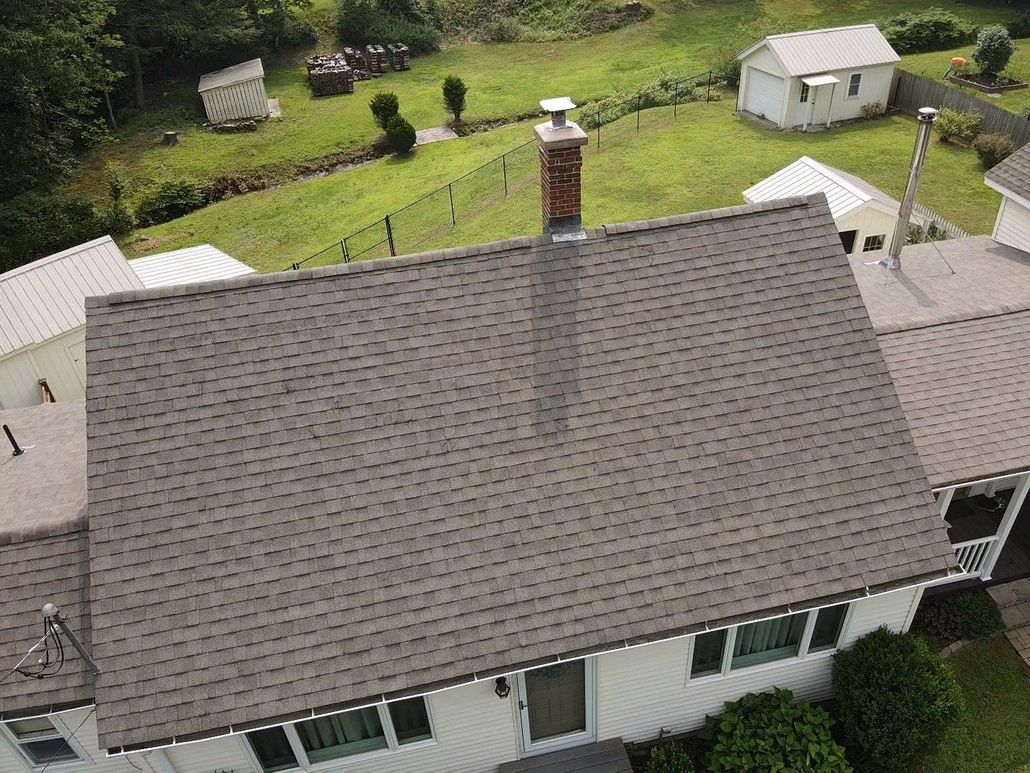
{"type": "Point", "coordinates": [442, 255]}
{"type": "Point", "coordinates": [820, 31]}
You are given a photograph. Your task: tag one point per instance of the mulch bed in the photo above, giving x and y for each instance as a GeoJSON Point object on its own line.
{"type": "Point", "coordinates": [987, 83]}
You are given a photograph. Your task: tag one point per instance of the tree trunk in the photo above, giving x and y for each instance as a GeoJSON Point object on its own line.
{"type": "Point", "coordinates": [134, 60]}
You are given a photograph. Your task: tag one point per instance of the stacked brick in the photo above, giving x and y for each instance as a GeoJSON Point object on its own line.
{"type": "Point", "coordinates": [400, 56]}
{"type": "Point", "coordinates": [330, 74]}
{"type": "Point", "coordinates": [375, 58]}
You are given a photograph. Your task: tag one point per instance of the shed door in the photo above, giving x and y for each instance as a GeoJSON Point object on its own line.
{"type": "Point", "coordinates": [764, 94]}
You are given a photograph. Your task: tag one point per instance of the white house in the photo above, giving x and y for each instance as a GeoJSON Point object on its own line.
{"type": "Point", "coordinates": [816, 77]}
{"type": "Point", "coordinates": [1011, 178]}
{"type": "Point", "coordinates": [865, 216]}
{"type": "Point", "coordinates": [42, 335]}
{"type": "Point", "coordinates": [234, 92]}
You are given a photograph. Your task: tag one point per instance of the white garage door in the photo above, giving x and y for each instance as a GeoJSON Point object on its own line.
{"type": "Point", "coordinates": [764, 94]}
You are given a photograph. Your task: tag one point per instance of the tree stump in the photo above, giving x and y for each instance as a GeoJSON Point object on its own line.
{"type": "Point", "coordinates": [170, 138]}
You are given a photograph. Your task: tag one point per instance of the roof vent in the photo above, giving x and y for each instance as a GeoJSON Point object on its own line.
{"type": "Point", "coordinates": [18, 450]}
{"type": "Point", "coordinates": [927, 115]}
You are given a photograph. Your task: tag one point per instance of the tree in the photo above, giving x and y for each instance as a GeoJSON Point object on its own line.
{"type": "Point", "coordinates": [384, 106]}
{"type": "Point", "coordinates": [994, 48]}
{"type": "Point", "coordinates": [400, 135]}
{"type": "Point", "coordinates": [454, 91]}
{"type": "Point", "coordinates": [54, 71]}
{"type": "Point", "coordinates": [277, 21]}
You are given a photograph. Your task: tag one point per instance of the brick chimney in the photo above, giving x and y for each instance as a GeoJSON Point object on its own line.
{"type": "Point", "coordinates": [561, 165]}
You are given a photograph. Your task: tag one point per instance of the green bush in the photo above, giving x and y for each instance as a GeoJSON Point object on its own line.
{"type": "Point", "coordinates": [669, 757]}
{"type": "Point", "coordinates": [663, 91]}
{"type": "Point", "coordinates": [170, 199]}
{"type": "Point", "coordinates": [1020, 27]}
{"type": "Point", "coordinates": [726, 66]}
{"type": "Point", "coordinates": [993, 148]}
{"type": "Point", "coordinates": [374, 21]}
{"type": "Point", "coordinates": [400, 135]}
{"type": "Point", "coordinates": [384, 107]}
{"type": "Point", "coordinates": [931, 30]}
{"type": "Point", "coordinates": [955, 125]}
{"type": "Point", "coordinates": [895, 698]}
{"type": "Point", "coordinates": [994, 49]}
{"type": "Point", "coordinates": [503, 29]}
{"type": "Point", "coordinates": [454, 91]}
{"type": "Point", "coordinates": [772, 731]}
{"type": "Point", "coordinates": [964, 616]}
{"type": "Point", "coordinates": [34, 224]}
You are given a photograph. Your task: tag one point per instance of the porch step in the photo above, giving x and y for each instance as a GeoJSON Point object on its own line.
{"type": "Point", "coordinates": [1013, 599]}
{"type": "Point", "coordinates": [608, 756]}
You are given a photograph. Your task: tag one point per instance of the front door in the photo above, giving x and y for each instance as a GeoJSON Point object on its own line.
{"type": "Point", "coordinates": [556, 706]}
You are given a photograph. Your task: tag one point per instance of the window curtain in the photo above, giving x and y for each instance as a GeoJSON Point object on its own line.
{"type": "Point", "coordinates": [341, 734]}
{"type": "Point", "coordinates": [768, 640]}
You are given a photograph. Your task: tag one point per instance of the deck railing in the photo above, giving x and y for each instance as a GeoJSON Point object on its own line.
{"type": "Point", "coordinates": [972, 555]}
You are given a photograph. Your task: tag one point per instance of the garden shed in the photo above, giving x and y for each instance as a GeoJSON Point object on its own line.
{"type": "Point", "coordinates": [816, 77]}
{"type": "Point", "coordinates": [235, 93]}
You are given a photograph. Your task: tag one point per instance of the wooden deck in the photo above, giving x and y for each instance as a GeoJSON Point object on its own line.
{"type": "Point", "coordinates": [608, 756]}
{"type": "Point", "coordinates": [969, 523]}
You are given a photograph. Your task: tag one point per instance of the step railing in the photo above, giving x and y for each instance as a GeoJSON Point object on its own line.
{"type": "Point", "coordinates": [972, 555]}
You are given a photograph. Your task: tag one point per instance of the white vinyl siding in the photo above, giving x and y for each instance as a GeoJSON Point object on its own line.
{"type": "Point", "coordinates": [19, 387]}
{"type": "Point", "coordinates": [1013, 225]}
{"type": "Point", "coordinates": [236, 101]}
{"type": "Point", "coordinates": [54, 360]}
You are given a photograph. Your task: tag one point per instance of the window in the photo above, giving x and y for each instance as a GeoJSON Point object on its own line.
{"type": "Point", "coordinates": [798, 635]}
{"type": "Point", "coordinates": [41, 741]}
{"type": "Point", "coordinates": [873, 243]}
{"type": "Point", "coordinates": [313, 741]}
{"type": "Point", "coordinates": [804, 93]}
{"type": "Point", "coordinates": [854, 84]}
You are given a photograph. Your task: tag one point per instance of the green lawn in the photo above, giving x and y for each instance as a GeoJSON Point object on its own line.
{"type": "Point", "coordinates": [994, 736]}
{"type": "Point", "coordinates": [504, 80]}
{"type": "Point", "coordinates": [702, 159]}
{"type": "Point", "coordinates": [935, 64]}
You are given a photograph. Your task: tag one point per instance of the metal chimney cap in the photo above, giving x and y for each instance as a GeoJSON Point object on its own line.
{"type": "Point", "coordinates": [928, 114]}
{"type": "Point", "coordinates": [557, 104]}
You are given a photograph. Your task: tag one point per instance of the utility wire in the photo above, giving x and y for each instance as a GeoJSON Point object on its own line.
{"type": "Point", "coordinates": [32, 649]}
{"type": "Point", "coordinates": [66, 744]}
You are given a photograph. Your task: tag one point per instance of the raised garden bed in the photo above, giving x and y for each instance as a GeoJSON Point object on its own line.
{"type": "Point", "coordinates": [987, 83]}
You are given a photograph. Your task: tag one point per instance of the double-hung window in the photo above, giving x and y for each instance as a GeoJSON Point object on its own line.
{"type": "Point", "coordinates": [854, 84]}
{"type": "Point", "coordinates": [42, 742]}
{"type": "Point", "coordinates": [308, 743]}
{"type": "Point", "coordinates": [789, 636]}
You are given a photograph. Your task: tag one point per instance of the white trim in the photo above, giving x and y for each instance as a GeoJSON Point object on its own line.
{"type": "Point", "coordinates": [858, 94]}
{"type": "Point", "coordinates": [912, 609]}
{"type": "Point", "coordinates": [62, 729]}
{"type": "Point", "coordinates": [945, 500]}
{"type": "Point", "coordinates": [1008, 193]}
{"type": "Point", "coordinates": [981, 480]}
{"type": "Point", "coordinates": [589, 732]}
{"type": "Point", "coordinates": [1007, 522]}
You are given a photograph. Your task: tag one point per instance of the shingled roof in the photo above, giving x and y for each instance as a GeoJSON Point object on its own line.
{"type": "Point", "coordinates": [1013, 174]}
{"type": "Point", "coordinates": [324, 487]}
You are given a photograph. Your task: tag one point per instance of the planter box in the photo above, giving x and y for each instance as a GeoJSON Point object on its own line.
{"type": "Point", "coordinates": [985, 88]}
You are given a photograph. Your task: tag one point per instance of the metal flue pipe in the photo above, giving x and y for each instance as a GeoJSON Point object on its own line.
{"type": "Point", "coordinates": [927, 115]}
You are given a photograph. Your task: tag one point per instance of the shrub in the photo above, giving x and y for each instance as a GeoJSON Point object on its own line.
{"type": "Point", "coordinates": [726, 66]}
{"type": "Point", "coordinates": [945, 620]}
{"type": "Point", "coordinates": [931, 30]}
{"type": "Point", "coordinates": [170, 199]}
{"type": "Point", "coordinates": [1020, 27]}
{"type": "Point", "coordinates": [503, 29]}
{"type": "Point", "coordinates": [873, 110]}
{"type": "Point", "coordinates": [956, 125]}
{"type": "Point", "coordinates": [400, 135]}
{"type": "Point", "coordinates": [770, 731]}
{"type": "Point", "coordinates": [34, 224]}
{"type": "Point", "coordinates": [993, 148]}
{"type": "Point", "coordinates": [663, 91]}
{"type": "Point", "coordinates": [384, 107]}
{"type": "Point", "coordinates": [993, 49]}
{"type": "Point", "coordinates": [454, 91]}
{"type": "Point", "coordinates": [370, 21]}
{"type": "Point", "coordinates": [669, 757]}
{"type": "Point", "coordinates": [895, 698]}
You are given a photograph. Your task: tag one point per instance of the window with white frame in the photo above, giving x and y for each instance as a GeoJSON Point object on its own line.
{"type": "Point", "coordinates": [308, 743]}
{"type": "Point", "coordinates": [874, 242]}
{"type": "Point", "coordinates": [804, 93]}
{"type": "Point", "coordinates": [854, 84]}
{"type": "Point", "coordinates": [42, 742]}
{"type": "Point", "coordinates": [789, 636]}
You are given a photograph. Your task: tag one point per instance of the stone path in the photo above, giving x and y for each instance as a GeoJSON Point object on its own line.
{"type": "Point", "coordinates": [1013, 599]}
{"type": "Point", "coordinates": [436, 134]}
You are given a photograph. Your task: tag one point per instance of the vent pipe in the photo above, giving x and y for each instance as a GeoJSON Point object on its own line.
{"type": "Point", "coordinates": [18, 450]}
{"type": "Point", "coordinates": [926, 117]}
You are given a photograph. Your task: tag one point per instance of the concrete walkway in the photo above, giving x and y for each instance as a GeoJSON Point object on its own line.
{"type": "Point", "coordinates": [436, 134]}
{"type": "Point", "coordinates": [1013, 599]}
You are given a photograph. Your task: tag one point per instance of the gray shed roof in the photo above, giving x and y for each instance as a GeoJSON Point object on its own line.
{"type": "Point", "coordinates": [1013, 174]}
{"type": "Point", "coordinates": [838, 48]}
{"type": "Point", "coordinates": [45, 298]}
{"type": "Point", "coordinates": [227, 76]}
{"type": "Point", "coordinates": [320, 487]}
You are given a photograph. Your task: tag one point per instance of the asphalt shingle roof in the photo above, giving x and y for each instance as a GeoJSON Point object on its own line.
{"type": "Point", "coordinates": [321, 487]}
{"type": "Point", "coordinates": [1013, 174]}
{"type": "Point", "coordinates": [965, 391]}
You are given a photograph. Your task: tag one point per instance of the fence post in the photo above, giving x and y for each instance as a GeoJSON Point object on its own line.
{"type": "Point", "coordinates": [389, 236]}
{"type": "Point", "coordinates": [638, 112]}
{"type": "Point", "coordinates": [708, 97]}
{"type": "Point", "coordinates": [675, 99]}
{"type": "Point", "coordinates": [450, 195]}
{"type": "Point", "coordinates": [295, 267]}
{"type": "Point", "coordinates": [346, 255]}
{"type": "Point", "coordinates": [504, 170]}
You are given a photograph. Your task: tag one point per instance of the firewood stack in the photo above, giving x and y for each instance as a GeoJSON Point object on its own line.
{"type": "Point", "coordinates": [354, 57]}
{"type": "Point", "coordinates": [400, 56]}
{"type": "Point", "coordinates": [375, 57]}
{"type": "Point", "coordinates": [331, 79]}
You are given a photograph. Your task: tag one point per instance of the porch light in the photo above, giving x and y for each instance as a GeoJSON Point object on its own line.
{"type": "Point", "coordinates": [501, 687]}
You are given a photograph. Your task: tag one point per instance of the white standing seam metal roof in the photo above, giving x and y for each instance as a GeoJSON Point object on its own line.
{"type": "Point", "coordinates": [838, 48]}
{"type": "Point", "coordinates": [202, 263]}
{"type": "Point", "coordinates": [237, 73]}
{"type": "Point", "coordinates": [46, 298]}
{"type": "Point", "coordinates": [843, 191]}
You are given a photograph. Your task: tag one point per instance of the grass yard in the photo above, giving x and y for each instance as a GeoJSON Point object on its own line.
{"type": "Point", "coordinates": [933, 65]}
{"type": "Point", "coordinates": [700, 160]}
{"type": "Point", "coordinates": [994, 736]}
{"type": "Point", "coordinates": [504, 80]}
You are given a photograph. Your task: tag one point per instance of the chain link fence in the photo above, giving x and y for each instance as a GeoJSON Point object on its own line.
{"type": "Point", "coordinates": [427, 220]}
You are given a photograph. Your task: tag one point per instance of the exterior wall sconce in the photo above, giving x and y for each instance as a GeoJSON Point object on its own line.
{"type": "Point", "coordinates": [501, 687]}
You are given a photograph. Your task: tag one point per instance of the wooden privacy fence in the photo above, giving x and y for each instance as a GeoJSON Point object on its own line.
{"type": "Point", "coordinates": [911, 92]}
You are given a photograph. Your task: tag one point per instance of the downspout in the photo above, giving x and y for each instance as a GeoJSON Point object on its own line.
{"type": "Point", "coordinates": [927, 115]}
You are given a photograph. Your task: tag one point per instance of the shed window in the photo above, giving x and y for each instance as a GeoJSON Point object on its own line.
{"type": "Point", "coordinates": [41, 741]}
{"type": "Point", "coordinates": [804, 93]}
{"type": "Point", "coordinates": [872, 243]}
{"type": "Point", "coordinates": [854, 84]}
